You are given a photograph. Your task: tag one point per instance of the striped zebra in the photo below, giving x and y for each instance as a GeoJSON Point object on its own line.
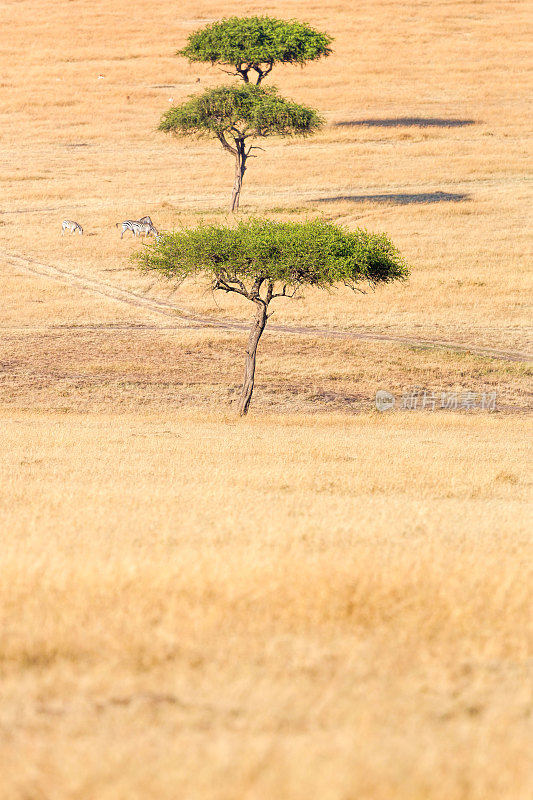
{"type": "Point", "coordinates": [70, 225]}
{"type": "Point", "coordinates": [154, 230]}
{"type": "Point", "coordinates": [137, 228]}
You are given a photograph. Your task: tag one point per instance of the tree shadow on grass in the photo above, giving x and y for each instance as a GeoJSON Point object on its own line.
{"type": "Point", "coordinates": [397, 199]}
{"type": "Point", "coordinates": [406, 122]}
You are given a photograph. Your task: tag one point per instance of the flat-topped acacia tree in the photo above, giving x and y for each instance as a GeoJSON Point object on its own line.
{"type": "Point", "coordinates": [256, 44]}
{"type": "Point", "coordinates": [262, 260]}
{"type": "Point", "coordinates": [235, 114]}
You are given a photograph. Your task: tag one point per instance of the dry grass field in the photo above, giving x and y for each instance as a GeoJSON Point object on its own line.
{"type": "Point", "coordinates": [319, 601]}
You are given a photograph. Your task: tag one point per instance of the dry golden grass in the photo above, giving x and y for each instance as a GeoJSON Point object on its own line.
{"type": "Point", "coordinates": [261, 609]}
{"type": "Point", "coordinates": [103, 366]}
{"type": "Point", "coordinates": [297, 605]}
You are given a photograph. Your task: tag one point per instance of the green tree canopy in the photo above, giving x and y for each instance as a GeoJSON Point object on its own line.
{"type": "Point", "coordinates": [234, 114]}
{"type": "Point", "coordinates": [256, 43]}
{"type": "Point", "coordinates": [295, 254]}
{"type": "Point", "coordinates": [262, 260]}
{"type": "Point", "coordinates": [240, 112]}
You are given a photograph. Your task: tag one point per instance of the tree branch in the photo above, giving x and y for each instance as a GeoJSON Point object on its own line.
{"type": "Point", "coordinates": [240, 284]}
{"type": "Point", "coordinates": [254, 147]}
{"type": "Point", "coordinates": [262, 72]}
{"type": "Point", "coordinates": [354, 287]}
{"type": "Point", "coordinates": [225, 284]}
{"type": "Point", "coordinates": [254, 291]}
{"type": "Point", "coordinates": [226, 145]}
{"type": "Point", "coordinates": [284, 292]}
{"type": "Point", "coordinates": [243, 72]}
{"type": "Point", "coordinates": [229, 71]}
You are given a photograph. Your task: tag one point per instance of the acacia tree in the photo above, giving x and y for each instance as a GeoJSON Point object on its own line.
{"type": "Point", "coordinates": [235, 114]}
{"type": "Point", "coordinates": [261, 260]}
{"type": "Point", "coordinates": [256, 44]}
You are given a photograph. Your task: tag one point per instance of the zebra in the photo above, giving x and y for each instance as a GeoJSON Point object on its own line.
{"type": "Point", "coordinates": [137, 228]}
{"type": "Point", "coordinates": [70, 225]}
{"type": "Point", "coordinates": [154, 230]}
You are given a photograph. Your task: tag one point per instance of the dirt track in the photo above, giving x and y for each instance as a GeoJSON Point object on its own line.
{"type": "Point", "coordinates": [159, 306]}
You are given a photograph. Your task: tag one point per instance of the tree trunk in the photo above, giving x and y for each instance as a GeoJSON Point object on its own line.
{"type": "Point", "coordinates": [240, 169]}
{"type": "Point", "coordinates": [249, 368]}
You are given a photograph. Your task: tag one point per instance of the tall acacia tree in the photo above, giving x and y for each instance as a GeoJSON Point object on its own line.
{"type": "Point", "coordinates": [256, 44]}
{"type": "Point", "coordinates": [261, 260]}
{"type": "Point", "coordinates": [235, 114]}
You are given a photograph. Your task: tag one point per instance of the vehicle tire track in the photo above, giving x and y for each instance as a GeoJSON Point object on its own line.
{"type": "Point", "coordinates": [168, 309]}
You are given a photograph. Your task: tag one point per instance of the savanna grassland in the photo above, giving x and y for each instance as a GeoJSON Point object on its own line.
{"type": "Point", "coordinates": [319, 601]}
